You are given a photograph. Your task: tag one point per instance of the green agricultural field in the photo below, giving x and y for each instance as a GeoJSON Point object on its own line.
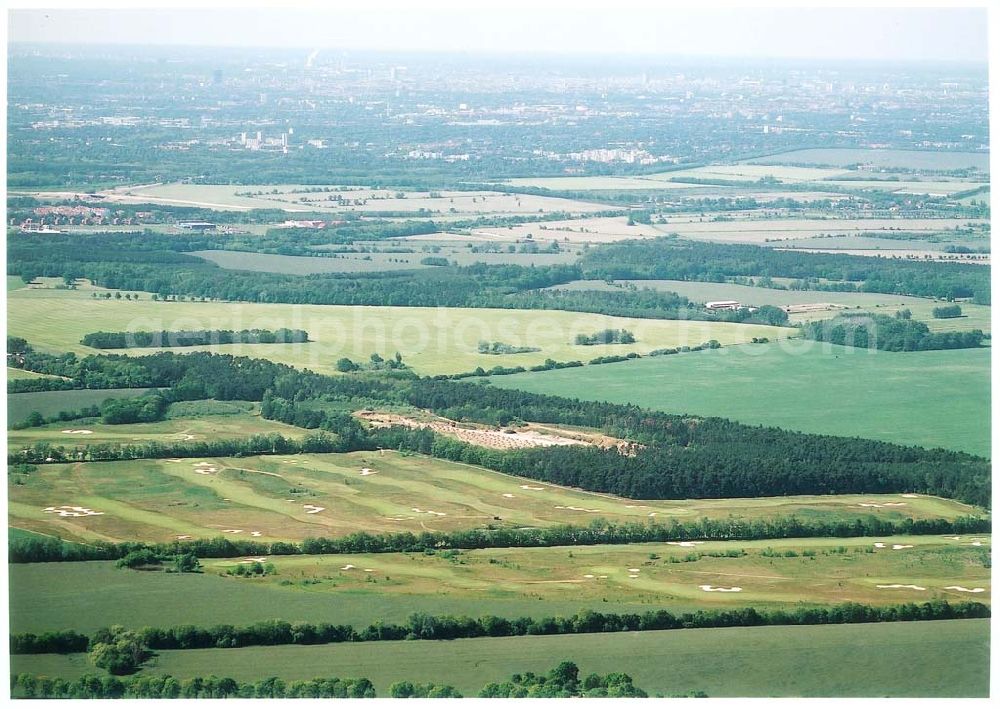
{"type": "Point", "coordinates": [747, 172]}
{"type": "Point", "coordinates": [917, 659]}
{"type": "Point", "coordinates": [431, 340]}
{"type": "Point", "coordinates": [194, 426]}
{"type": "Point", "coordinates": [974, 316]}
{"type": "Point", "coordinates": [293, 198]}
{"type": "Point", "coordinates": [907, 159]}
{"type": "Point", "coordinates": [360, 589]}
{"type": "Point", "coordinates": [50, 403]}
{"type": "Point", "coordinates": [293, 497]}
{"type": "Point", "coordinates": [761, 231]}
{"type": "Point", "coordinates": [305, 265]}
{"type": "Point", "coordinates": [939, 398]}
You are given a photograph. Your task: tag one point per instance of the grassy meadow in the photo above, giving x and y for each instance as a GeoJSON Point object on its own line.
{"type": "Point", "coordinates": [917, 659]}
{"type": "Point", "coordinates": [431, 340]}
{"type": "Point", "coordinates": [938, 398]}
{"type": "Point", "coordinates": [285, 497]}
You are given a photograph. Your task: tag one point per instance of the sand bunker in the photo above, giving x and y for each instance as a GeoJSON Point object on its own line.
{"type": "Point", "coordinates": [204, 468]}
{"type": "Point", "coordinates": [255, 534]}
{"type": "Point", "coordinates": [588, 576]}
{"type": "Point", "coordinates": [256, 559]}
{"type": "Point", "coordinates": [72, 511]}
{"type": "Point", "coordinates": [900, 585]}
{"type": "Point", "coordinates": [897, 547]}
{"type": "Point", "coordinates": [531, 487]}
{"type": "Point", "coordinates": [975, 544]}
{"type": "Point", "coordinates": [636, 507]}
{"type": "Point", "coordinates": [733, 589]}
{"type": "Point", "coordinates": [369, 570]}
{"type": "Point", "coordinates": [183, 536]}
{"type": "Point", "coordinates": [651, 514]}
{"type": "Point", "coordinates": [964, 589]}
{"type": "Point", "coordinates": [232, 531]}
{"type": "Point", "coordinates": [367, 471]}
{"type": "Point", "coordinates": [312, 509]}
{"type": "Point", "coordinates": [880, 545]}
{"type": "Point", "coordinates": [82, 431]}
{"type": "Point", "coordinates": [507, 494]}
{"type": "Point", "coordinates": [955, 538]}
{"type": "Point", "coordinates": [909, 494]}
{"type": "Point", "coordinates": [894, 504]}
{"type": "Point", "coordinates": [174, 460]}
{"type": "Point", "coordinates": [633, 576]}
{"type": "Point", "coordinates": [868, 504]}
{"type": "Point", "coordinates": [684, 544]}
{"type": "Point", "coordinates": [634, 571]}
{"type": "Point", "coordinates": [348, 567]}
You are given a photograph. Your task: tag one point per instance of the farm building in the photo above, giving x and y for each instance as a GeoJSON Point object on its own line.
{"type": "Point", "coordinates": [723, 305]}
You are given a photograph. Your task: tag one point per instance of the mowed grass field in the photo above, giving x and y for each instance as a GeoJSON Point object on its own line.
{"type": "Point", "coordinates": [917, 659]}
{"type": "Point", "coordinates": [973, 316]}
{"type": "Point", "coordinates": [938, 398]}
{"type": "Point", "coordinates": [293, 497]}
{"type": "Point", "coordinates": [360, 589]}
{"type": "Point", "coordinates": [909, 159]}
{"type": "Point", "coordinates": [203, 427]}
{"type": "Point", "coordinates": [431, 340]}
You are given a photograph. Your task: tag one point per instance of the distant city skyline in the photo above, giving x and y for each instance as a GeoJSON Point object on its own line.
{"type": "Point", "coordinates": [846, 33]}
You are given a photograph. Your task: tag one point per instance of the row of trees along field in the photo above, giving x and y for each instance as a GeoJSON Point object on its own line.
{"type": "Point", "coordinates": [189, 338]}
{"type": "Point", "coordinates": [563, 681]}
{"type": "Point", "coordinates": [422, 626]}
{"type": "Point", "coordinates": [36, 549]}
{"type": "Point", "coordinates": [893, 334]}
{"type": "Point", "coordinates": [681, 457]}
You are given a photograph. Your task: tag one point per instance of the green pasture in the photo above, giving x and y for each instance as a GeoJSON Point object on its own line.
{"type": "Point", "coordinates": [431, 340]}
{"type": "Point", "coordinates": [916, 659]}
{"type": "Point", "coordinates": [937, 398]}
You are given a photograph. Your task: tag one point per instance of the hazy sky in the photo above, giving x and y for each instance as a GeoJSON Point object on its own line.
{"type": "Point", "coordinates": [517, 26]}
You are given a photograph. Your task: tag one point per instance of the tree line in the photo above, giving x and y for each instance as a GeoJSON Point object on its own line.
{"type": "Point", "coordinates": [599, 531]}
{"type": "Point", "coordinates": [423, 626]}
{"type": "Point", "coordinates": [892, 334]}
{"type": "Point", "coordinates": [190, 338]}
{"type": "Point", "coordinates": [88, 686]}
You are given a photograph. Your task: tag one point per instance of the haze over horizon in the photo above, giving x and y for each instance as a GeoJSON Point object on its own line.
{"type": "Point", "coordinates": [861, 34]}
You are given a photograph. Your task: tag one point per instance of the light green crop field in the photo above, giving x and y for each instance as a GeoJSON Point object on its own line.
{"type": "Point", "coordinates": [597, 182]}
{"type": "Point", "coordinates": [305, 265]}
{"type": "Point", "coordinates": [922, 187]}
{"type": "Point", "coordinates": [194, 428]}
{"type": "Point", "coordinates": [431, 340]}
{"type": "Point", "coordinates": [760, 231]}
{"type": "Point", "coordinates": [15, 374]}
{"type": "Point", "coordinates": [917, 659]}
{"type": "Point", "coordinates": [747, 172]}
{"type": "Point", "coordinates": [358, 199]}
{"type": "Point", "coordinates": [938, 398]}
{"type": "Point", "coordinates": [50, 403]}
{"type": "Point", "coordinates": [293, 497]}
{"type": "Point", "coordinates": [359, 589]}
{"type": "Point", "coordinates": [376, 261]}
{"type": "Point", "coordinates": [908, 159]}
{"type": "Point", "coordinates": [973, 316]}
